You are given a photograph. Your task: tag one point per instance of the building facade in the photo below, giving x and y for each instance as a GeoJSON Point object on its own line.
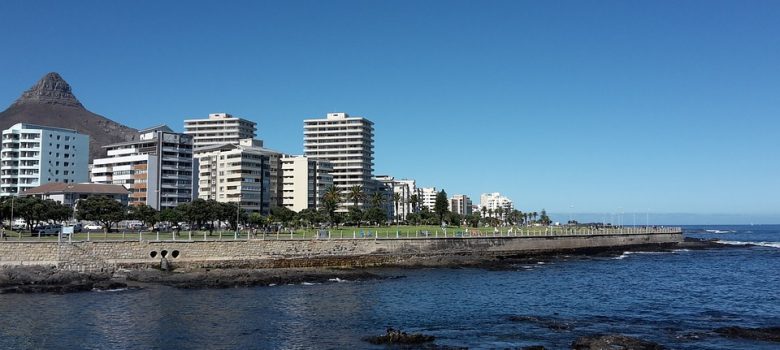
{"type": "Point", "coordinates": [461, 204]}
{"type": "Point", "coordinates": [493, 201]}
{"type": "Point", "coordinates": [157, 168]}
{"type": "Point", "coordinates": [34, 155]}
{"type": "Point", "coordinates": [235, 173]}
{"type": "Point", "coordinates": [304, 181]}
{"type": "Point", "coordinates": [219, 128]}
{"type": "Point", "coordinates": [71, 193]}
{"type": "Point", "coordinates": [427, 197]}
{"type": "Point", "coordinates": [348, 143]}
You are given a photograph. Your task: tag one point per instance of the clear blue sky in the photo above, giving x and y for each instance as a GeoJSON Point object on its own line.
{"type": "Point", "coordinates": [572, 106]}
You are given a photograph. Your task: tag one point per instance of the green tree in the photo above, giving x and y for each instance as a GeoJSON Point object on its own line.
{"type": "Point", "coordinates": [356, 195]}
{"type": "Point", "coordinates": [544, 218]}
{"type": "Point", "coordinates": [473, 219]}
{"type": "Point", "coordinates": [330, 202]}
{"type": "Point", "coordinates": [256, 220]}
{"type": "Point", "coordinates": [441, 207]}
{"type": "Point", "coordinates": [355, 216]}
{"type": "Point", "coordinates": [396, 201]}
{"type": "Point", "coordinates": [414, 200]}
{"type": "Point", "coordinates": [376, 215]}
{"type": "Point", "coordinates": [171, 216]}
{"type": "Point", "coordinates": [454, 219]}
{"type": "Point", "coordinates": [310, 217]}
{"type": "Point", "coordinates": [101, 209]}
{"type": "Point", "coordinates": [144, 213]}
{"type": "Point", "coordinates": [283, 215]}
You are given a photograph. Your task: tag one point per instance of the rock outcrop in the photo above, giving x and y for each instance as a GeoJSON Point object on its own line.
{"type": "Point", "coordinates": [51, 102]}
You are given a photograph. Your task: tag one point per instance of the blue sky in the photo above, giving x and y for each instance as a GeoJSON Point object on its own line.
{"type": "Point", "coordinates": [573, 106]}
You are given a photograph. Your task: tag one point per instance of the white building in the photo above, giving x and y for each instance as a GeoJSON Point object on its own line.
{"type": "Point", "coordinates": [219, 128]}
{"type": "Point", "coordinates": [33, 155]}
{"type": "Point", "coordinates": [405, 188]}
{"type": "Point", "coordinates": [233, 173]}
{"type": "Point", "coordinates": [386, 186]}
{"type": "Point", "coordinates": [348, 143]}
{"type": "Point", "coordinates": [156, 168]}
{"type": "Point", "coordinates": [493, 201]}
{"type": "Point", "coordinates": [71, 193]}
{"type": "Point", "coordinates": [460, 204]}
{"type": "Point", "coordinates": [427, 197]}
{"type": "Point", "coordinates": [304, 181]}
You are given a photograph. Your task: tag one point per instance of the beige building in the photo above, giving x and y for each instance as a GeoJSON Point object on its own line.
{"type": "Point", "coordinates": [235, 173]}
{"type": "Point", "coordinates": [460, 204]}
{"type": "Point", "coordinates": [427, 197]}
{"type": "Point", "coordinates": [348, 143]}
{"type": "Point", "coordinates": [219, 128]}
{"type": "Point", "coordinates": [304, 181]}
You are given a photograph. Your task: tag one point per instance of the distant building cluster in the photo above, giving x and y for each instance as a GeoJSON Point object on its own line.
{"type": "Point", "coordinates": [218, 158]}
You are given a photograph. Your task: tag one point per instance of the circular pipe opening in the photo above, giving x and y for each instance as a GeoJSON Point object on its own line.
{"type": "Point", "coordinates": [153, 253]}
{"type": "Point", "coordinates": [175, 253]}
{"type": "Point", "coordinates": [164, 253]}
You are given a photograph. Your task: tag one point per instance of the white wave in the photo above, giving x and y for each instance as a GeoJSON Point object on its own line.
{"type": "Point", "coordinates": [763, 244]}
{"type": "Point", "coordinates": [627, 254]}
{"type": "Point", "coordinates": [110, 290]}
{"type": "Point", "coordinates": [308, 283]}
{"type": "Point", "coordinates": [540, 263]}
{"type": "Point", "coordinates": [718, 231]}
{"type": "Point", "coordinates": [338, 280]}
{"type": "Point", "coordinates": [272, 284]}
{"type": "Point", "coordinates": [681, 250]}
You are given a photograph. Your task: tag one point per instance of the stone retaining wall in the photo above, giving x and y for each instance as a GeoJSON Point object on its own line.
{"type": "Point", "coordinates": [110, 255]}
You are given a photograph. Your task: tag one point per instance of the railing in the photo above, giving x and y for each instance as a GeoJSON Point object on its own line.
{"type": "Point", "coordinates": [383, 233]}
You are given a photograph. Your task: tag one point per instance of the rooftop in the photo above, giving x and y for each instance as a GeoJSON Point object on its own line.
{"type": "Point", "coordinates": [60, 187]}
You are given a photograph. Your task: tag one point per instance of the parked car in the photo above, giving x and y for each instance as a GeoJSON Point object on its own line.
{"type": "Point", "coordinates": [77, 228]}
{"type": "Point", "coordinates": [93, 227]}
{"type": "Point", "coordinates": [18, 227]}
{"type": "Point", "coordinates": [47, 230]}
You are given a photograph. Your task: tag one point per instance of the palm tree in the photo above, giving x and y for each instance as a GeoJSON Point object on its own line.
{"type": "Point", "coordinates": [414, 200]}
{"type": "Point", "coordinates": [330, 201]}
{"type": "Point", "coordinates": [396, 200]}
{"type": "Point", "coordinates": [499, 213]}
{"type": "Point", "coordinates": [377, 199]}
{"type": "Point", "coordinates": [534, 215]}
{"type": "Point", "coordinates": [356, 195]}
{"type": "Point", "coordinates": [484, 211]}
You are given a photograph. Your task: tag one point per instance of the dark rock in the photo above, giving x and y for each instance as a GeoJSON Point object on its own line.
{"type": "Point", "coordinates": [393, 336]}
{"type": "Point", "coordinates": [50, 102]}
{"type": "Point", "coordinates": [613, 342]}
{"type": "Point", "coordinates": [553, 324]}
{"type": "Point", "coordinates": [165, 265]}
{"type": "Point", "coordinates": [766, 334]}
{"type": "Point", "coordinates": [533, 347]}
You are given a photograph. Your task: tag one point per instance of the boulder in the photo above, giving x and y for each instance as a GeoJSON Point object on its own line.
{"type": "Point", "coordinates": [766, 334]}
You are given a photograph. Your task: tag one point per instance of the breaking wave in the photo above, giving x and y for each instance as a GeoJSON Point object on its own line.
{"type": "Point", "coordinates": [762, 244]}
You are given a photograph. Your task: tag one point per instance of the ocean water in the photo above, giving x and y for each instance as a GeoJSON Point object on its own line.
{"type": "Point", "coordinates": [674, 298]}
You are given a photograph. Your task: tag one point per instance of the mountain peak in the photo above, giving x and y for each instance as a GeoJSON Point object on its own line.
{"type": "Point", "coordinates": [51, 89]}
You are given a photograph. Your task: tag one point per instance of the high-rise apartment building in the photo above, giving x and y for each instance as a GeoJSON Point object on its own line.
{"type": "Point", "coordinates": [304, 181]}
{"type": "Point", "coordinates": [348, 143]}
{"type": "Point", "coordinates": [219, 128]}
{"type": "Point", "coordinates": [33, 155]}
{"type": "Point", "coordinates": [493, 201]}
{"type": "Point", "coordinates": [156, 168]}
{"type": "Point", "coordinates": [460, 204]}
{"type": "Point", "coordinates": [427, 196]}
{"type": "Point", "coordinates": [235, 173]}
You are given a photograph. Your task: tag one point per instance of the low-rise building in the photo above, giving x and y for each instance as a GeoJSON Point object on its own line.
{"type": "Point", "coordinates": [71, 193]}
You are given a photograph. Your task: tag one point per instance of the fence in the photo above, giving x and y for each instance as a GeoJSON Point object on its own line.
{"type": "Point", "coordinates": [400, 232]}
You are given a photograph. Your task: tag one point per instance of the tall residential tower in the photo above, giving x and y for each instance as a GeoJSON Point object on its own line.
{"type": "Point", "coordinates": [348, 143]}
{"type": "Point", "coordinates": [219, 128]}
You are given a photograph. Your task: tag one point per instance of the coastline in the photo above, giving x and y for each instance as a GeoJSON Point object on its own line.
{"type": "Point", "coordinates": [51, 279]}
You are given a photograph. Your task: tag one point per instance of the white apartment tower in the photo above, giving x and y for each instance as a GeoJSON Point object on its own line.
{"type": "Point", "coordinates": [219, 128]}
{"type": "Point", "coordinates": [304, 181]}
{"type": "Point", "coordinates": [235, 173]}
{"type": "Point", "coordinates": [156, 168]}
{"type": "Point", "coordinates": [427, 197]}
{"type": "Point", "coordinates": [33, 155]}
{"type": "Point", "coordinates": [405, 188]}
{"type": "Point", "coordinates": [348, 143]}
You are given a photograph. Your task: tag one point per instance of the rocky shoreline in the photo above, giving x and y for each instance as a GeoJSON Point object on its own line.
{"type": "Point", "coordinates": [43, 279]}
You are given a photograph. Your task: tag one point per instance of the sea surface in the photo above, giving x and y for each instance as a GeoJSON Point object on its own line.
{"type": "Point", "coordinates": [675, 299]}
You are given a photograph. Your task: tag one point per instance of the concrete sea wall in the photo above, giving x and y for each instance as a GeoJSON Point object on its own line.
{"type": "Point", "coordinates": [256, 253]}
